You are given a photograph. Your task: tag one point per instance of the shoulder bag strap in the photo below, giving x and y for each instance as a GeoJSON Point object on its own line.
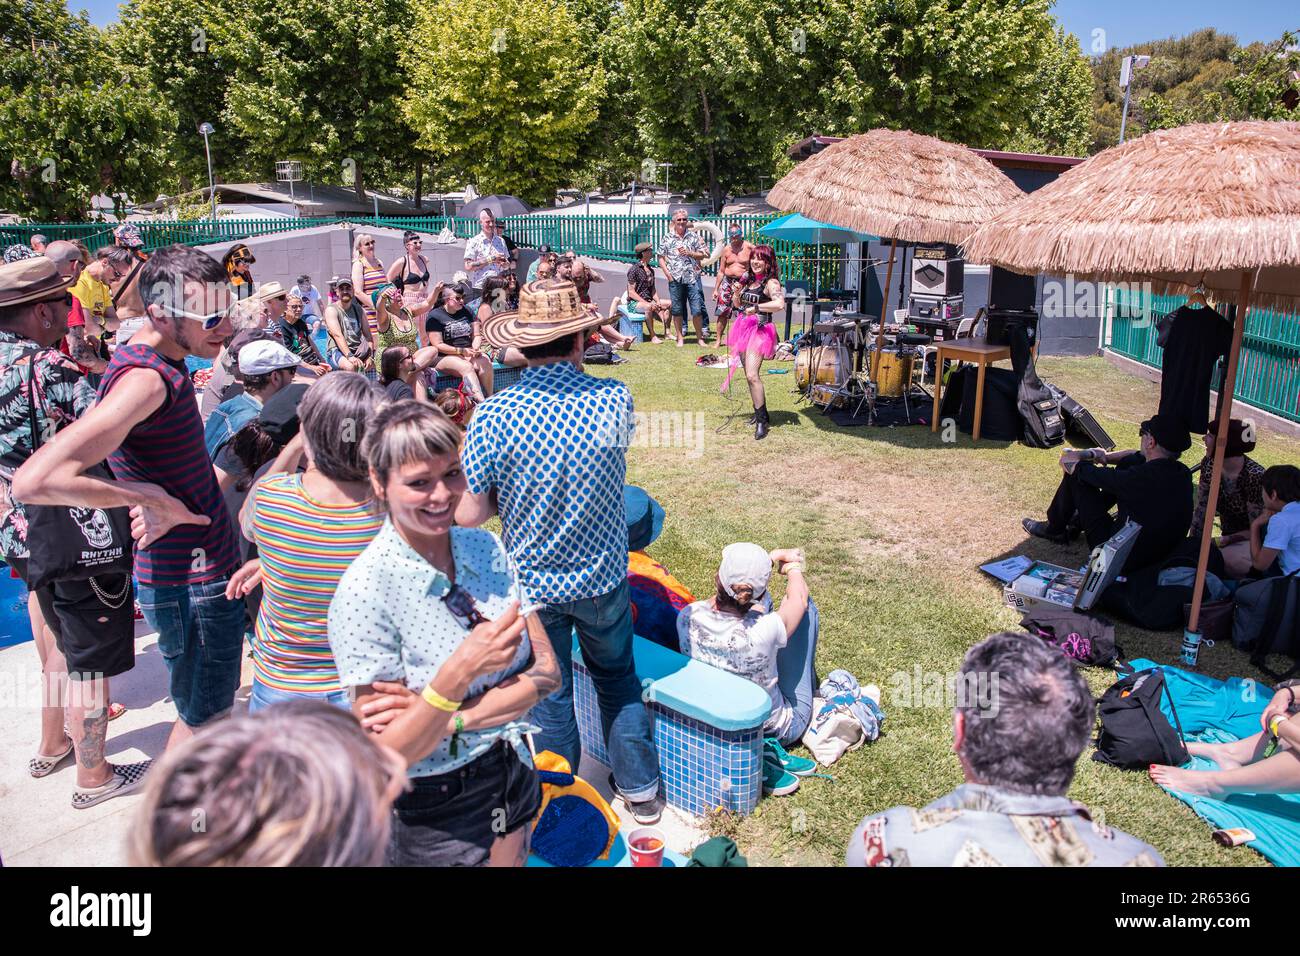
{"type": "Point", "coordinates": [126, 283]}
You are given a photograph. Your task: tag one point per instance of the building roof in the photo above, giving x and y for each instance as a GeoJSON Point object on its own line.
{"type": "Point", "coordinates": [311, 199]}
{"type": "Point", "coordinates": [1003, 160]}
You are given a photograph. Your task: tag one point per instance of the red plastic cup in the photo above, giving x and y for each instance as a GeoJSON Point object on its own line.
{"type": "Point", "coordinates": [646, 844]}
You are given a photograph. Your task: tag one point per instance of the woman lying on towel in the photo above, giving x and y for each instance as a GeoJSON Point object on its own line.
{"type": "Point", "coordinates": [1243, 766]}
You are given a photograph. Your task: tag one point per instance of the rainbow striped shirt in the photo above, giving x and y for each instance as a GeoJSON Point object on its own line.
{"type": "Point", "coordinates": [305, 547]}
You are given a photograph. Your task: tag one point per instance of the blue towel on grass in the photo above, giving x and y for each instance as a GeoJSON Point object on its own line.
{"type": "Point", "coordinates": [1215, 711]}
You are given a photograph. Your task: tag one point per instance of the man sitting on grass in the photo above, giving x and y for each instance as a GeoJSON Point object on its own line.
{"type": "Point", "coordinates": [1018, 737]}
{"type": "Point", "coordinates": [1150, 485]}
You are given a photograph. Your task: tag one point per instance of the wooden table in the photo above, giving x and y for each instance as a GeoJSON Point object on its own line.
{"type": "Point", "coordinates": [966, 350]}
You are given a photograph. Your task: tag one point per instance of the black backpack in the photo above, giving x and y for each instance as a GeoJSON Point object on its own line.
{"type": "Point", "coordinates": [1134, 731]}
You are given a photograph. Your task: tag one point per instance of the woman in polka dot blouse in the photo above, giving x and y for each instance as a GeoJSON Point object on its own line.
{"type": "Point", "coordinates": [429, 615]}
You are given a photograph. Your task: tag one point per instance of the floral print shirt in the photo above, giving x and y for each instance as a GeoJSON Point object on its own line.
{"type": "Point", "coordinates": [52, 384]}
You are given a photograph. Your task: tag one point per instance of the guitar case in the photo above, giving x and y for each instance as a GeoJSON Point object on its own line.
{"type": "Point", "coordinates": [1039, 408]}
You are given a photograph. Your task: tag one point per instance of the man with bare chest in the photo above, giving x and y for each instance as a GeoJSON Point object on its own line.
{"type": "Point", "coordinates": [732, 270]}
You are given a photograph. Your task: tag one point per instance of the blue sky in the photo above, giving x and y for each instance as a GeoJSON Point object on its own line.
{"type": "Point", "coordinates": [1125, 22]}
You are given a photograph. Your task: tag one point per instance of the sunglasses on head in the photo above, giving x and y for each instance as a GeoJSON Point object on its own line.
{"type": "Point", "coordinates": [461, 604]}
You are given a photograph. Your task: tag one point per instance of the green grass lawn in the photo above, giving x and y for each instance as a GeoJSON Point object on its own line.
{"type": "Point", "coordinates": [895, 523]}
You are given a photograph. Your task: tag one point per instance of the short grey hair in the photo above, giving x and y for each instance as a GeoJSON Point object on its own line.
{"type": "Point", "coordinates": [244, 315]}
{"type": "Point", "coordinates": [1031, 740]}
{"type": "Point", "coordinates": [408, 431]}
{"type": "Point", "coordinates": [335, 415]}
{"type": "Point", "coordinates": [296, 784]}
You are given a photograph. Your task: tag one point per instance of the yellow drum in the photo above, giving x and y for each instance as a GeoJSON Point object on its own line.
{"type": "Point", "coordinates": [830, 362]}
{"type": "Point", "coordinates": [895, 373]}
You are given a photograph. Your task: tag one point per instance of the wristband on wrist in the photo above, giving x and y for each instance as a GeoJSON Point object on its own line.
{"type": "Point", "coordinates": [794, 566]}
{"type": "Point", "coordinates": [434, 699]}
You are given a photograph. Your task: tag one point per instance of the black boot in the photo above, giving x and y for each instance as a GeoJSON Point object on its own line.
{"type": "Point", "coordinates": [753, 418]}
{"type": "Point", "coordinates": [761, 422]}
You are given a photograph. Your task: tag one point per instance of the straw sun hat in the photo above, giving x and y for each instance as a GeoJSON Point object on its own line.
{"type": "Point", "coordinates": [548, 310]}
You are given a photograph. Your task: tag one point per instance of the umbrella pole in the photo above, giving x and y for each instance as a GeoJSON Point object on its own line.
{"type": "Point", "coordinates": [884, 308]}
{"type": "Point", "coordinates": [1226, 389]}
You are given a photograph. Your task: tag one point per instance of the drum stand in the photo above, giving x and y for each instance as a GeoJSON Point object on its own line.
{"type": "Point", "coordinates": [912, 346]}
{"type": "Point", "coordinates": [850, 385]}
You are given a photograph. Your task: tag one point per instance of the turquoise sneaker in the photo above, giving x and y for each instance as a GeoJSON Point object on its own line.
{"type": "Point", "coordinates": [777, 782]}
{"type": "Point", "coordinates": [799, 766]}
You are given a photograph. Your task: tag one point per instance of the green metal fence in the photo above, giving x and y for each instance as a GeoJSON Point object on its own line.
{"type": "Point", "coordinates": [602, 237]}
{"type": "Point", "coordinates": [1268, 376]}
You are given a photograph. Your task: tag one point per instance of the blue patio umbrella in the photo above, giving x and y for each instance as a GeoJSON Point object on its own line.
{"type": "Point", "coordinates": [796, 227]}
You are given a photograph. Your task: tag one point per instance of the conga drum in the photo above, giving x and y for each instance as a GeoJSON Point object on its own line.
{"type": "Point", "coordinates": [895, 373]}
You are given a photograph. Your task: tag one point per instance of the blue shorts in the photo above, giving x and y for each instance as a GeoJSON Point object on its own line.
{"type": "Point", "coordinates": [683, 294]}
{"type": "Point", "coordinates": [201, 638]}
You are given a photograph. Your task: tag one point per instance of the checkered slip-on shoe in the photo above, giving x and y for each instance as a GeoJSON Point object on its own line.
{"type": "Point", "coordinates": [127, 778]}
{"type": "Point", "coordinates": [41, 766]}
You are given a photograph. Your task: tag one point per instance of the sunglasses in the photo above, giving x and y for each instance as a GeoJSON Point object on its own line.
{"type": "Point", "coordinates": [365, 245]}
{"type": "Point", "coordinates": [462, 605]}
{"type": "Point", "coordinates": [209, 322]}
{"type": "Point", "coordinates": [415, 242]}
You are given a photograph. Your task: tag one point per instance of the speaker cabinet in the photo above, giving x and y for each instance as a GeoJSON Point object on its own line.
{"type": "Point", "coordinates": [1010, 291]}
{"type": "Point", "coordinates": [937, 271]}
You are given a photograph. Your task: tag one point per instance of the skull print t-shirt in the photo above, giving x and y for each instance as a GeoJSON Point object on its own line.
{"type": "Point", "coordinates": [37, 383]}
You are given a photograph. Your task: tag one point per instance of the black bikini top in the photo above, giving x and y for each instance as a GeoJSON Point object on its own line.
{"type": "Point", "coordinates": [411, 278]}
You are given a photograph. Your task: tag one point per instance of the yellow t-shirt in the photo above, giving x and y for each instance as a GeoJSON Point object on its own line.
{"type": "Point", "coordinates": [95, 299]}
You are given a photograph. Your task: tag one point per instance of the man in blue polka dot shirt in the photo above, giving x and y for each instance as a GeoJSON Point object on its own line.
{"type": "Point", "coordinates": [549, 455]}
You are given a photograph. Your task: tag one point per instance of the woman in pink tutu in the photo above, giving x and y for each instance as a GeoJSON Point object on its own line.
{"type": "Point", "coordinates": [752, 336]}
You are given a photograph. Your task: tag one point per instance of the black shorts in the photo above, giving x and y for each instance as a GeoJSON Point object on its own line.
{"type": "Point", "coordinates": [93, 622]}
{"type": "Point", "coordinates": [453, 819]}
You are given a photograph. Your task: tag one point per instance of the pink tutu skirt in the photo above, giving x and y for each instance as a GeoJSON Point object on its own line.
{"type": "Point", "coordinates": [747, 334]}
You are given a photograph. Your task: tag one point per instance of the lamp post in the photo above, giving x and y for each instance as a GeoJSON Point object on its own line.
{"type": "Point", "coordinates": [666, 167]}
{"type": "Point", "coordinates": [1126, 70]}
{"type": "Point", "coordinates": [206, 129]}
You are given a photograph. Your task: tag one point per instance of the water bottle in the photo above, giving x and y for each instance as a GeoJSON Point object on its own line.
{"type": "Point", "coordinates": [1191, 647]}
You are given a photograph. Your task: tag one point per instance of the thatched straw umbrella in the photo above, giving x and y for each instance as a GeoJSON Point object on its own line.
{"type": "Point", "coordinates": [898, 184]}
{"type": "Point", "coordinates": [1216, 205]}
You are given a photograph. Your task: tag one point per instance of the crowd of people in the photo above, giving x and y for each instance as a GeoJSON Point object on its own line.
{"type": "Point", "coordinates": [326, 509]}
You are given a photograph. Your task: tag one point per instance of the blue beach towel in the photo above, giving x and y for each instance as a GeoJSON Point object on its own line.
{"type": "Point", "coordinates": [1215, 711]}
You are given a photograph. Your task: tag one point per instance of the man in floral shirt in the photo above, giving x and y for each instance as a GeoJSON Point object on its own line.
{"type": "Point", "coordinates": [680, 254]}
{"type": "Point", "coordinates": [92, 622]}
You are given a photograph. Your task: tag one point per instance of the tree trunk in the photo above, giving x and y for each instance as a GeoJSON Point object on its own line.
{"type": "Point", "coordinates": [419, 183]}
{"type": "Point", "coordinates": [358, 186]}
{"type": "Point", "coordinates": [708, 140]}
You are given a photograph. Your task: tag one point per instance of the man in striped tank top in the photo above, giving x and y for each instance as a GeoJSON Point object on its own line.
{"type": "Point", "coordinates": [146, 425]}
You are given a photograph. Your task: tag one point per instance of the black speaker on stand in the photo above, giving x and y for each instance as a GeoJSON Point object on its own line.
{"type": "Point", "coordinates": [1011, 291]}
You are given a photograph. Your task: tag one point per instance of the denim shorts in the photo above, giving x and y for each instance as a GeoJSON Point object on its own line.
{"type": "Point", "coordinates": [683, 294]}
{"type": "Point", "coordinates": [264, 696]}
{"type": "Point", "coordinates": [453, 819]}
{"type": "Point", "coordinates": [201, 638]}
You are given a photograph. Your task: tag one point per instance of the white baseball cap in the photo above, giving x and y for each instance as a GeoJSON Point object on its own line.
{"type": "Point", "coordinates": [262, 357]}
{"type": "Point", "coordinates": [745, 563]}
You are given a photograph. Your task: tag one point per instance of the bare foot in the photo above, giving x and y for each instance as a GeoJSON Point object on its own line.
{"type": "Point", "coordinates": [656, 340]}
{"type": "Point", "coordinates": [1200, 782]}
{"type": "Point", "coordinates": [681, 342]}
{"type": "Point", "coordinates": [1221, 754]}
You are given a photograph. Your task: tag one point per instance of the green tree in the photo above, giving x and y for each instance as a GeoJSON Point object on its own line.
{"type": "Point", "coordinates": [969, 71]}
{"type": "Point", "coordinates": [1057, 121]}
{"type": "Point", "coordinates": [502, 94]}
{"type": "Point", "coordinates": [714, 83]}
{"type": "Point", "coordinates": [173, 42]}
{"type": "Point", "coordinates": [1265, 83]}
{"type": "Point", "coordinates": [318, 81]}
{"type": "Point", "coordinates": [75, 122]}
